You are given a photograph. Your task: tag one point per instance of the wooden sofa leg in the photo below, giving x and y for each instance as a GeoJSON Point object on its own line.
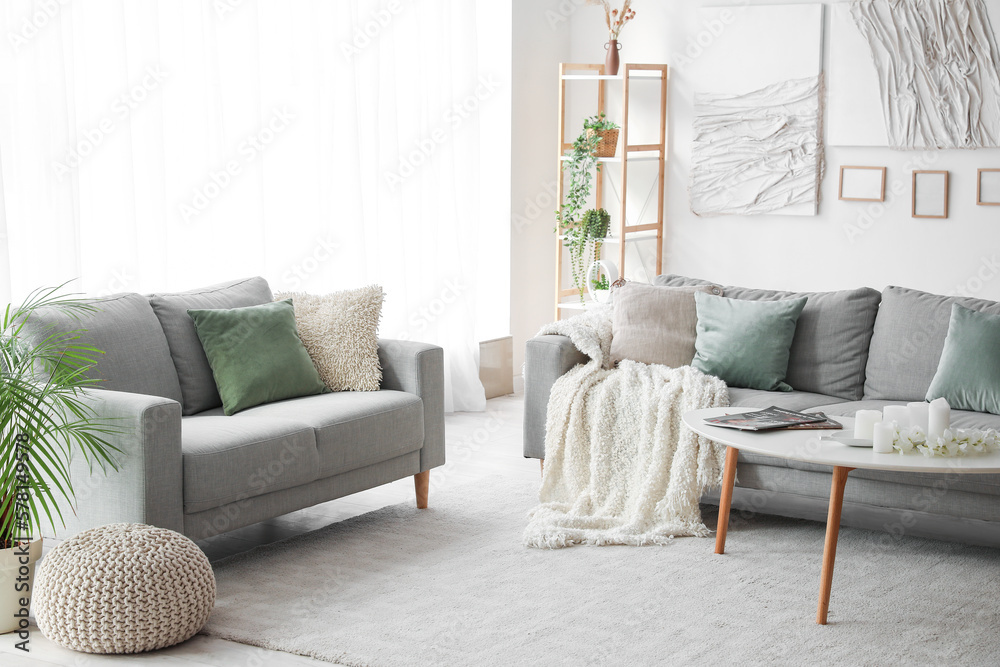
{"type": "Point", "coordinates": [541, 466]}
{"type": "Point", "coordinates": [422, 484]}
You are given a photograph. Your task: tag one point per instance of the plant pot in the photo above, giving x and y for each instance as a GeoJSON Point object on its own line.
{"type": "Point", "coordinates": [608, 144]}
{"type": "Point", "coordinates": [12, 578]}
{"type": "Point", "coordinates": [610, 270]}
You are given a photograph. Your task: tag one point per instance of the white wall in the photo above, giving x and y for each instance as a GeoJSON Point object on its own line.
{"type": "Point", "coordinates": [541, 40]}
{"type": "Point", "coordinates": [847, 245]}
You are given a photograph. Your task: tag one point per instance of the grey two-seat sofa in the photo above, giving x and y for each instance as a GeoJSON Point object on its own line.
{"type": "Point", "coordinates": [188, 467]}
{"type": "Point", "coordinates": [852, 350]}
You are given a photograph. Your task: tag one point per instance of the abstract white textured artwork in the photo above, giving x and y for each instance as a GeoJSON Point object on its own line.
{"type": "Point", "coordinates": [757, 143]}
{"type": "Point", "coordinates": [758, 152]}
{"type": "Point", "coordinates": [938, 70]}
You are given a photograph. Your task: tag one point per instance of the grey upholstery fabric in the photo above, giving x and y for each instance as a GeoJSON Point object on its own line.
{"type": "Point", "coordinates": [889, 523]}
{"type": "Point", "coordinates": [908, 339]}
{"type": "Point", "coordinates": [197, 384]}
{"type": "Point", "coordinates": [136, 358]}
{"type": "Point", "coordinates": [792, 400]}
{"type": "Point", "coordinates": [148, 487]}
{"type": "Point", "coordinates": [227, 459]}
{"type": "Point", "coordinates": [936, 494]}
{"type": "Point", "coordinates": [251, 510]}
{"type": "Point", "coordinates": [546, 359]}
{"type": "Point", "coordinates": [830, 349]}
{"type": "Point", "coordinates": [353, 429]}
{"type": "Point", "coordinates": [234, 471]}
{"type": "Point", "coordinates": [418, 368]}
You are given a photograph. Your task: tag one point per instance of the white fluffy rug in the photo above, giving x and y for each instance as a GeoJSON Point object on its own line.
{"type": "Point", "coordinates": [453, 585]}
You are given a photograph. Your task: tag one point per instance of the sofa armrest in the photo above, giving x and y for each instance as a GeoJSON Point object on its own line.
{"type": "Point", "coordinates": [149, 487]}
{"type": "Point", "coordinates": [418, 368]}
{"type": "Point", "coordinates": [546, 359]}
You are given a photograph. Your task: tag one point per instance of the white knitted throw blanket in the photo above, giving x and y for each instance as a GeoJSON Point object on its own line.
{"type": "Point", "coordinates": [620, 466]}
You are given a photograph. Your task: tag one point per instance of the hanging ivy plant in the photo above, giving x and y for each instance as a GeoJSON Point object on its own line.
{"type": "Point", "coordinates": [582, 230]}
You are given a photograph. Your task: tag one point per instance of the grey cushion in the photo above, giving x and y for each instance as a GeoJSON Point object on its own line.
{"type": "Point", "coordinates": [909, 336]}
{"type": "Point", "coordinates": [353, 428]}
{"type": "Point", "coordinates": [195, 375]}
{"type": "Point", "coordinates": [830, 349]}
{"type": "Point", "coordinates": [227, 459]}
{"type": "Point", "coordinates": [136, 358]}
{"type": "Point", "coordinates": [790, 400]}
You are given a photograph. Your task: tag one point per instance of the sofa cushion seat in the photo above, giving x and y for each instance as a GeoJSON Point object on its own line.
{"type": "Point", "coordinates": [790, 400]}
{"type": "Point", "coordinates": [353, 428]}
{"type": "Point", "coordinates": [227, 459]}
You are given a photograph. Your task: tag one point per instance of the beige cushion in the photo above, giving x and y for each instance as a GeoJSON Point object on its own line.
{"type": "Point", "coordinates": [656, 325]}
{"type": "Point", "coordinates": [340, 332]}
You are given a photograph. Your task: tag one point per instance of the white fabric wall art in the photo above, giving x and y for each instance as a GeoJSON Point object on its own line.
{"type": "Point", "coordinates": [937, 64]}
{"type": "Point", "coordinates": [757, 131]}
{"type": "Point", "coordinates": [757, 152]}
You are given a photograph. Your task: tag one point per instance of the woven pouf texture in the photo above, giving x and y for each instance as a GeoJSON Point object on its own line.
{"type": "Point", "coordinates": [123, 588]}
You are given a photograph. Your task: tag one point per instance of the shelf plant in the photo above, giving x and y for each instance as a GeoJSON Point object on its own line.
{"type": "Point", "coordinates": [581, 228]}
{"type": "Point", "coordinates": [44, 420]}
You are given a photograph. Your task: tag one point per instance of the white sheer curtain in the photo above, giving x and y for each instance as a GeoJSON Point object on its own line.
{"type": "Point", "coordinates": [157, 145]}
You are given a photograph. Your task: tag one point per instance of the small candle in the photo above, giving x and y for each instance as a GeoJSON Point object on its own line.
{"type": "Point", "coordinates": [938, 417]}
{"type": "Point", "coordinates": [918, 414]}
{"type": "Point", "coordinates": [882, 437]}
{"type": "Point", "coordinates": [897, 413]}
{"type": "Point", "coordinates": [864, 422]}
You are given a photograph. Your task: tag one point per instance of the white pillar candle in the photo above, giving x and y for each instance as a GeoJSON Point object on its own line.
{"type": "Point", "coordinates": [919, 414]}
{"type": "Point", "coordinates": [938, 417]}
{"type": "Point", "coordinates": [897, 413]}
{"type": "Point", "coordinates": [882, 434]}
{"type": "Point", "coordinates": [864, 421]}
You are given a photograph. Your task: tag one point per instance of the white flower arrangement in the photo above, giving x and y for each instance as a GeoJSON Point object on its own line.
{"type": "Point", "coordinates": [954, 442]}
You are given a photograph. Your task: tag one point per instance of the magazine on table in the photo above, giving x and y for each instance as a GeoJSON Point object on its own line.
{"type": "Point", "coordinates": [774, 418]}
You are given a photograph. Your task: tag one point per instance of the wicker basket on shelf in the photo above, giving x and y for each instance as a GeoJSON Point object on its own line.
{"type": "Point", "coordinates": [608, 143]}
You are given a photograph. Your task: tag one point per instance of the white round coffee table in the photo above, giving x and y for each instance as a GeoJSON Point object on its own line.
{"type": "Point", "coordinates": [806, 445]}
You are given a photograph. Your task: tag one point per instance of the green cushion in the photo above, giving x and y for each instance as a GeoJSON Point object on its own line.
{"type": "Point", "coordinates": [745, 343]}
{"type": "Point", "coordinates": [968, 374]}
{"type": "Point", "coordinates": [256, 354]}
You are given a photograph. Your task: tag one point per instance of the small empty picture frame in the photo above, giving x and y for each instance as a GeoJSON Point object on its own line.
{"type": "Point", "coordinates": [988, 187]}
{"type": "Point", "coordinates": [930, 194]}
{"type": "Point", "coordinates": [862, 183]}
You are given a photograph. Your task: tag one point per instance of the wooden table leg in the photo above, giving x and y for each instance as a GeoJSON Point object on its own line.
{"type": "Point", "coordinates": [832, 533]}
{"type": "Point", "coordinates": [726, 499]}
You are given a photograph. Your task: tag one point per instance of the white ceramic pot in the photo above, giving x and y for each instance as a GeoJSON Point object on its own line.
{"type": "Point", "coordinates": [17, 572]}
{"type": "Point", "coordinates": [610, 270]}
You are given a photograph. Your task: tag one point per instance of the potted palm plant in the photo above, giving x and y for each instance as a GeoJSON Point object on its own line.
{"type": "Point", "coordinates": [44, 420]}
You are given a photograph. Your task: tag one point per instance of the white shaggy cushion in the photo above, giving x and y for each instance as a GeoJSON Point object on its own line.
{"type": "Point", "coordinates": [340, 332]}
{"type": "Point", "coordinates": [123, 588]}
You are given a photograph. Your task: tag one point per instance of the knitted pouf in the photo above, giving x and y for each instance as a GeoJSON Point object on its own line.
{"type": "Point", "coordinates": [123, 588]}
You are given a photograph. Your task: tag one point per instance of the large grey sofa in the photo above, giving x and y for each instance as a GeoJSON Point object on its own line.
{"type": "Point", "coordinates": [188, 467]}
{"type": "Point", "coordinates": [853, 350]}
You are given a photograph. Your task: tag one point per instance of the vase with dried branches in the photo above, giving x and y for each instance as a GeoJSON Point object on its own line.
{"type": "Point", "coordinates": [616, 20]}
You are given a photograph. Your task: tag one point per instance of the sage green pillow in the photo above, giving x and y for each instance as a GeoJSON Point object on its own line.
{"type": "Point", "coordinates": [745, 343]}
{"type": "Point", "coordinates": [968, 374]}
{"type": "Point", "coordinates": [256, 354]}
